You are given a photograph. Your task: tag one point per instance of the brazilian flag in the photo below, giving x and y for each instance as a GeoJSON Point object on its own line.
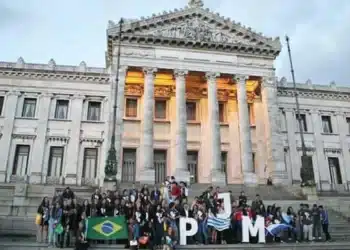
{"type": "Point", "coordinates": [106, 228]}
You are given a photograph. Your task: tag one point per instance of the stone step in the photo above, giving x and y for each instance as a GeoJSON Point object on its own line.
{"type": "Point", "coordinates": [23, 245]}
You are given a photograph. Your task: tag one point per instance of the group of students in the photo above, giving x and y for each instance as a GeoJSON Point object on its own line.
{"type": "Point", "coordinates": [153, 217]}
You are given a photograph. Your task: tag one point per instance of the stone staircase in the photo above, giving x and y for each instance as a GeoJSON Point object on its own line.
{"type": "Point", "coordinates": [266, 192]}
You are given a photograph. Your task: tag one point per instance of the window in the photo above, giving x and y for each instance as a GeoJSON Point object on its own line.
{"type": "Point", "coordinates": [326, 124]}
{"type": "Point", "coordinates": [251, 114]}
{"type": "Point", "coordinates": [90, 163]}
{"type": "Point", "coordinates": [222, 112]}
{"type": "Point", "coordinates": [192, 162]}
{"type": "Point", "coordinates": [55, 161]}
{"type": "Point", "coordinates": [303, 122]}
{"type": "Point", "coordinates": [131, 107]}
{"type": "Point", "coordinates": [160, 109]}
{"type": "Point", "coordinates": [348, 122]}
{"type": "Point", "coordinates": [29, 106]}
{"type": "Point", "coordinates": [224, 162]}
{"type": "Point", "coordinates": [1, 104]}
{"type": "Point", "coordinates": [20, 165]}
{"type": "Point", "coordinates": [160, 165]}
{"type": "Point", "coordinates": [61, 111]}
{"type": "Point", "coordinates": [253, 159]}
{"type": "Point", "coordinates": [94, 111]}
{"type": "Point", "coordinates": [334, 170]}
{"type": "Point", "coordinates": [129, 165]}
{"type": "Point", "coordinates": [191, 111]}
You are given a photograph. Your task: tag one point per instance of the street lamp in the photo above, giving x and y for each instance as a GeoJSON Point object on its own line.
{"type": "Point", "coordinates": [306, 170]}
{"type": "Point", "coordinates": [111, 168]}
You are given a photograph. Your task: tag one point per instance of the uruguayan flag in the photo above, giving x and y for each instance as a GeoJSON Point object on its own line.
{"type": "Point", "coordinates": [219, 224]}
{"type": "Point", "coordinates": [275, 229]}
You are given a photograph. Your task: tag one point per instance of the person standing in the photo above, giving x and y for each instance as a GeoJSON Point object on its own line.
{"type": "Point", "coordinates": [325, 222]}
{"type": "Point", "coordinates": [316, 221]}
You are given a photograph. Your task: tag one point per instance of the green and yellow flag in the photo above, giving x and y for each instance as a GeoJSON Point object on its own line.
{"type": "Point", "coordinates": [106, 228]}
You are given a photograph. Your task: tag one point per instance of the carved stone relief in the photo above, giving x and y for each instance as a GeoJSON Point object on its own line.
{"type": "Point", "coordinates": [194, 29]}
{"type": "Point", "coordinates": [164, 91]}
{"type": "Point", "coordinates": [133, 90]}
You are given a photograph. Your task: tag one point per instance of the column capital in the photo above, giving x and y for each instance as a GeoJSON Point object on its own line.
{"type": "Point", "coordinates": [241, 77]}
{"type": "Point", "coordinates": [180, 72]}
{"type": "Point", "coordinates": [45, 94]}
{"type": "Point", "coordinates": [270, 81]}
{"type": "Point", "coordinates": [212, 75]}
{"type": "Point", "coordinates": [149, 71]}
{"type": "Point", "coordinates": [13, 92]}
{"type": "Point", "coordinates": [78, 97]}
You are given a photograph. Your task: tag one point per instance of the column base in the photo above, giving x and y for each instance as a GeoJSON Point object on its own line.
{"type": "Point", "coordinates": [71, 179]}
{"type": "Point", "coordinates": [183, 175]}
{"type": "Point", "coordinates": [2, 176]}
{"type": "Point", "coordinates": [250, 179]}
{"type": "Point", "coordinates": [310, 193]}
{"type": "Point", "coordinates": [147, 176]}
{"type": "Point", "coordinates": [35, 178]}
{"type": "Point", "coordinates": [280, 178]}
{"type": "Point", "coordinates": [218, 177]}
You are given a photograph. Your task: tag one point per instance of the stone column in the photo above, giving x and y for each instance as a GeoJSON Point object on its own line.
{"type": "Point", "coordinates": [274, 140]}
{"type": "Point", "coordinates": [147, 154]}
{"type": "Point", "coordinates": [36, 170]}
{"type": "Point", "coordinates": [181, 172]}
{"type": "Point", "coordinates": [343, 133]}
{"type": "Point", "coordinates": [9, 113]}
{"type": "Point", "coordinates": [119, 130]}
{"type": "Point", "coordinates": [217, 175]}
{"type": "Point", "coordinates": [71, 167]}
{"type": "Point", "coordinates": [292, 144]}
{"type": "Point", "coordinates": [244, 131]}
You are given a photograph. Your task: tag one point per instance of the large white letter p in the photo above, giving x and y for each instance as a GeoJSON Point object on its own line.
{"type": "Point", "coordinates": [183, 232]}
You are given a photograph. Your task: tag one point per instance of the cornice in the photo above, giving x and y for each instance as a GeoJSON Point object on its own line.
{"type": "Point", "coordinates": [314, 94]}
{"type": "Point", "coordinates": [52, 71]}
{"type": "Point", "coordinates": [250, 42]}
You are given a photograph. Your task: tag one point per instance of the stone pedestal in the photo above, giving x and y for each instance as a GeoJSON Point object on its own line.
{"type": "Point", "coordinates": [19, 199]}
{"type": "Point", "coordinates": [310, 193]}
{"type": "Point", "coordinates": [218, 178]}
{"type": "Point", "coordinates": [70, 179]}
{"type": "Point", "coordinates": [2, 176]}
{"type": "Point", "coordinates": [279, 178]}
{"type": "Point", "coordinates": [250, 179]}
{"type": "Point", "coordinates": [183, 175]}
{"type": "Point", "coordinates": [147, 176]}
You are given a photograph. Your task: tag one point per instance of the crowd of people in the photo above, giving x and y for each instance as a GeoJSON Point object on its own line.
{"type": "Point", "coordinates": [153, 217]}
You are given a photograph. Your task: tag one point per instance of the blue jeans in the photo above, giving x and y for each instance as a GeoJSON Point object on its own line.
{"type": "Point", "coordinates": [52, 237]}
{"type": "Point", "coordinates": [202, 232]}
{"type": "Point", "coordinates": [136, 231]}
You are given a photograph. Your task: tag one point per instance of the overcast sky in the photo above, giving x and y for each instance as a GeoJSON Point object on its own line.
{"type": "Point", "coordinates": [74, 30]}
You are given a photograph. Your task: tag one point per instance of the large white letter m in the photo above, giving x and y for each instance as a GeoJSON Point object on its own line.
{"type": "Point", "coordinates": [249, 229]}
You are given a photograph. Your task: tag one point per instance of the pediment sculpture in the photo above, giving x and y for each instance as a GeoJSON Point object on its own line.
{"type": "Point", "coordinates": [194, 29]}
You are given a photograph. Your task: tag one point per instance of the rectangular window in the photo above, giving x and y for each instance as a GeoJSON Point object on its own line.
{"type": "Point", "coordinates": [160, 166]}
{"type": "Point", "coordinates": [160, 109]}
{"type": "Point", "coordinates": [327, 124]}
{"type": "Point", "coordinates": [224, 162]}
{"type": "Point", "coordinates": [1, 105]}
{"type": "Point", "coordinates": [253, 159]}
{"type": "Point", "coordinates": [334, 170]}
{"type": "Point", "coordinates": [222, 112]}
{"type": "Point", "coordinates": [131, 107]}
{"type": "Point", "coordinates": [192, 162]}
{"type": "Point", "coordinates": [61, 111]}
{"type": "Point", "coordinates": [251, 114]}
{"type": "Point", "coordinates": [55, 161]}
{"type": "Point", "coordinates": [90, 163]}
{"type": "Point", "coordinates": [348, 122]}
{"type": "Point", "coordinates": [129, 165]}
{"type": "Point", "coordinates": [94, 111]}
{"type": "Point", "coordinates": [303, 122]}
{"type": "Point", "coordinates": [191, 111]}
{"type": "Point", "coordinates": [29, 106]}
{"type": "Point", "coordinates": [20, 165]}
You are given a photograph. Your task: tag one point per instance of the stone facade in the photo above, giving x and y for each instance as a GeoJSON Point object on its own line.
{"type": "Point", "coordinates": [200, 102]}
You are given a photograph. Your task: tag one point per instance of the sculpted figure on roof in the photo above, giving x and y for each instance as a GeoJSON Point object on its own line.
{"type": "Point", "coordinates": [195, 3]}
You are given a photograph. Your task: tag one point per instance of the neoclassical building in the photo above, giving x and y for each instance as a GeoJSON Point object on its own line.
{"type": "Point", "coordinates": [197, 98]}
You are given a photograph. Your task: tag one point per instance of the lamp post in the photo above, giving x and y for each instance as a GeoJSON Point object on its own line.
{"type": "Point", "coordinates": [306, 170]}
{"type": "Point", "coordinates": [111, 168]}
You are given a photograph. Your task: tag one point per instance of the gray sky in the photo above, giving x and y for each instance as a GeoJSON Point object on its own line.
{"type": "Point", "coordinates": [74, 30]}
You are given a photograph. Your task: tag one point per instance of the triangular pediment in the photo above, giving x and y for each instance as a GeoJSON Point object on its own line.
{"type": "Point", "coordinates": [196, 26]}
